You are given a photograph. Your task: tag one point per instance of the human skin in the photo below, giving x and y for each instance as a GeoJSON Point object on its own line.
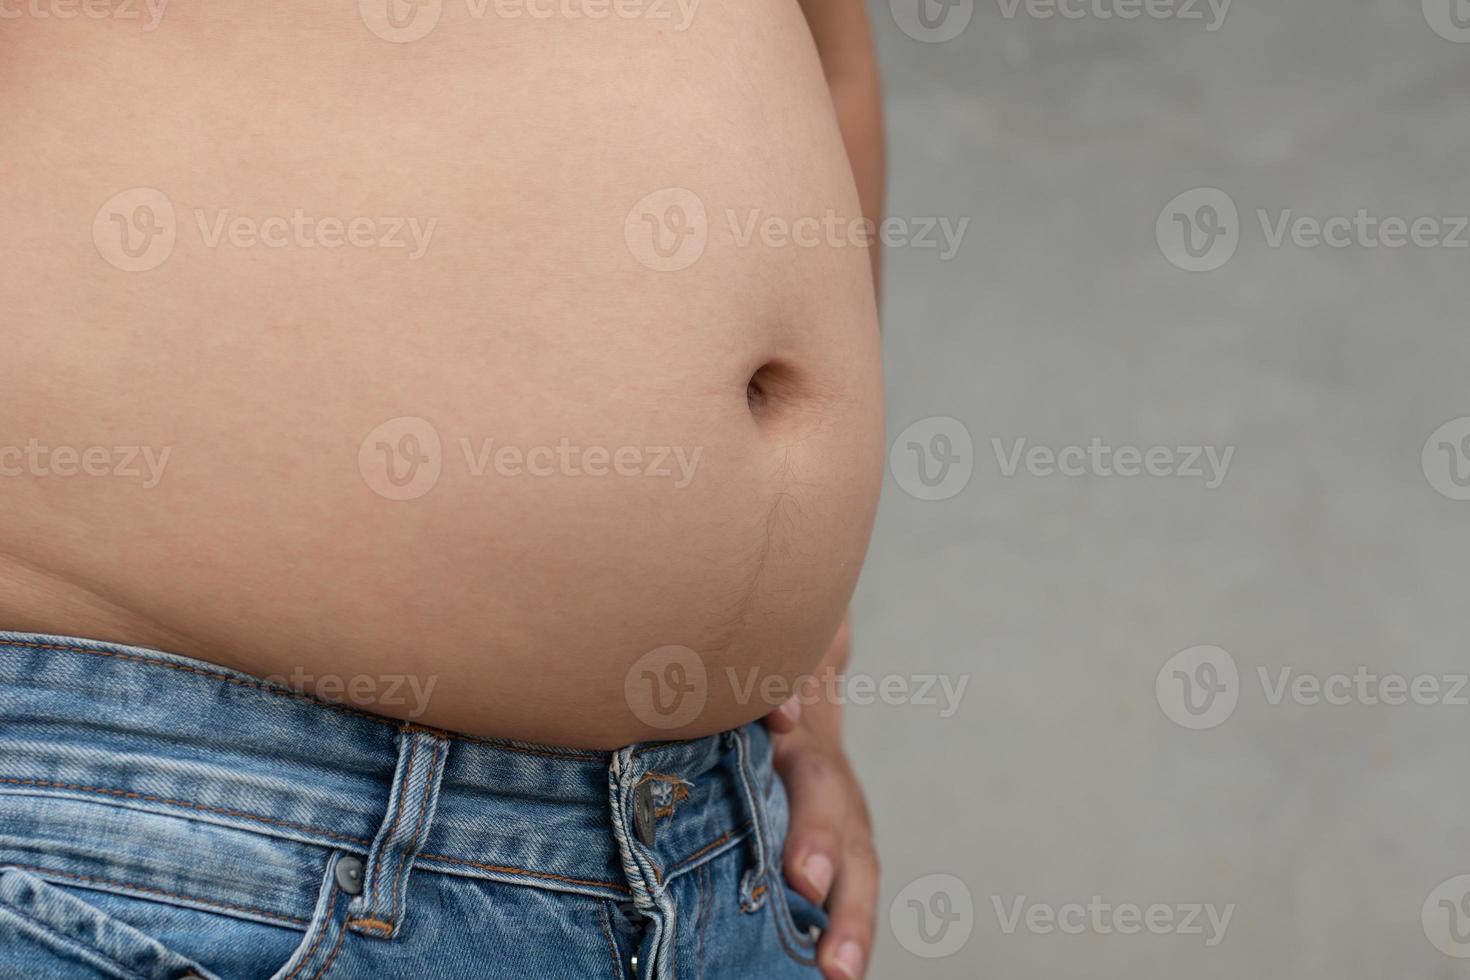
{"type": "Point", "coordinates": [257, 366]}
{"type": "Point", "coordinates": [528, 320]}
{"type": "Point", "coordinates": [831, 856]}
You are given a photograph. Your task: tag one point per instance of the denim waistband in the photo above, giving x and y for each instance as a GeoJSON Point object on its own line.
{"type": "Point", "coordinates": [142, 729]}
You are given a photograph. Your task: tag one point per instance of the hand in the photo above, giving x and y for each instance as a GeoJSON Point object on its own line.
{"type": "Point", "coordinates": [830, 856]}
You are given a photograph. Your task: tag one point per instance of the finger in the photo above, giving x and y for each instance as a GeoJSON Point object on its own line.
{"type": "Point", "coordinates": [819, 795]}
{"type": "Point", "coordinates": [853, 910]}
{"type": "Point", "coordinates": [785, 718]}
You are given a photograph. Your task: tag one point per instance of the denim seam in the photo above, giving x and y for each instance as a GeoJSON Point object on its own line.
{"type": "Point", "coordinates": [706, 890]}
{"type": "Point", "coordinates": [66, 940]}
{"type": "Point", "coordinates": [728, 837]}
{"type": "Point", "coordinates": [49, 872]}
{"type": "Point", "coordinates": [612, 947]}
{"type": "Point", "coordinates": [262, 685]}
{"type": "Point", "coordinates": [502, 869]}
{"type": "Point", "coordinates": [322, 934]}
{"type": "Point", "coordinates": [341, 938]}
{"type": "Point", "coordinates": [805, 952]}
{"type": "Point", "coordinates": [128, 795]}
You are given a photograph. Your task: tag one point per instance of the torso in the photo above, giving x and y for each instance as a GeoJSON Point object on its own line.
{"type": "Point", "coordinates": [272, 542]}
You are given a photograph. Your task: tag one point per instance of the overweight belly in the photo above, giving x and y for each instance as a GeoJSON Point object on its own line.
{"type": "Point", "coordinates": [510, 378]}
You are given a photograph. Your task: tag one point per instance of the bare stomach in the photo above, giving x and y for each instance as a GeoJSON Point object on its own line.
{"type": "Point", "coordinates": [371, 365]}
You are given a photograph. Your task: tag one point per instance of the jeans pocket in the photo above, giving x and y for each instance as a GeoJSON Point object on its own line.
{"type": "Point", "coordinates": [46, 933]}
{"type": "Point", "coordinates": [799, 921]}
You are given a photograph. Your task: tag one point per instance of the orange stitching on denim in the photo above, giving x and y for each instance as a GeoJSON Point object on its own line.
{"type": "Point", "coordinates": [321, 934]}
{"type": "Point", "coordinates": [125, 794]}
{"type": "Point", "coordinates": [374, 925]}
{"type": "Point", "coordinates": [417, 828]}
{"type": "Point", "coordinates": [157, 891]}
{"type": "Point", "coordinates": [724, 838]}
{"type": "Point", "coordinates": [612, 947]}
{"type": "Point", "coordinates": [502, 869]}
{"type": "Point", "coordinates": [341, 936]}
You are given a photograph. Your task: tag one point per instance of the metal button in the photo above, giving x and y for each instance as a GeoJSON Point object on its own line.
{"type": "Point", "coordinates": [349, 875]}
{"type": "Point", "coordinates": [645, 821]}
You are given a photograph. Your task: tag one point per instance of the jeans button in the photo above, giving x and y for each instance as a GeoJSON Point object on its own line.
{"type": "Point", "coordinates": [349, 875]}
{"type": "Point", "coordinates": [645, 821]}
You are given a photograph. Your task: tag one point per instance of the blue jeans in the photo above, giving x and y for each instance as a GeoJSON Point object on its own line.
{"type": "Point", "coordinates": [166, 818]}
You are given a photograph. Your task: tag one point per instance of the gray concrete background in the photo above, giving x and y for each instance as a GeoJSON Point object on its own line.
{"type": "Point", "coordinates": [1325, 549]}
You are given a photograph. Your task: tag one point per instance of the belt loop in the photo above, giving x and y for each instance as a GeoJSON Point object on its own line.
{"type": "Point", "coordinates": [379, 910]}
{"type": "Point", "coordinates": [753, 885]}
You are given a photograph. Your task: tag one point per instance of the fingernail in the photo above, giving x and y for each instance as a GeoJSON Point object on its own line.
{"type": "Point", "coordinates": [849, 960]}
{"type": "Point", "coordinates": [818, 871]}
{"type": "Point", "coordinates": [792, 710]}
